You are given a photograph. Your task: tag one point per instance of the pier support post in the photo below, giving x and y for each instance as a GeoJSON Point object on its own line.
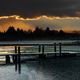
{"type": "Point", "coordinates": [42, 56]}
{"type": "Point", "coordinates": [19, 60]}
{"type": "Point", "coordinates": [39, 50]}
{"type": "Point", "coordinates": [7, 59]}
{"type": "Point", "coordinates": [55, 49]}
{"type": "Point", "coordinates": [60, 49]}
{"type": "Point", "coordinates": [43, 49]}
{"type": "Point", "coordinates": [14, 56]}
{"type": "Point", "coordinates": [15, 60]}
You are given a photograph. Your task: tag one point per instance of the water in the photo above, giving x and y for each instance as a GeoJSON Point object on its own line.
{"type": "Point", "coordinates": [55, 69]}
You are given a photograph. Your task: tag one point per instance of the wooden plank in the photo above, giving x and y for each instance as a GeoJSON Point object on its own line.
{"type": "Point", "coordinates": [7, 54]}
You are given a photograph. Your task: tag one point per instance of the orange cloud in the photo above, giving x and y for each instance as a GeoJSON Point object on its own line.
{"type": "Point", "coordinates": [7, 21]}
{"type": "Point", "coordinates": [38, 17]}
{"type": "Point", "coordinates": [30, 23]}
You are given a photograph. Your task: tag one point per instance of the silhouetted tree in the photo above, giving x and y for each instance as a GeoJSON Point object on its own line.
{"type": "Point", "coordinates": [10, 30]}
{"type": "Point", "coordinates": [38, 33]}
{"type": "Point", "coordinates": [10, 33]}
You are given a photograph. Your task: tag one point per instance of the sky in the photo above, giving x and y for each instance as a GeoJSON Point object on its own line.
{"type": "Point", "coordinates": [27, 14]}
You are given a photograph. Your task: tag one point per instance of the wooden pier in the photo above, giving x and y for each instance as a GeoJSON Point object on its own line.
{"type": "Point", "coordinates": [41, 53]}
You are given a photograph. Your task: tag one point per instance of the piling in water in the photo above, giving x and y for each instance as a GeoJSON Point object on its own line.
{"type": "Point", "coordinates": [19, 60]}
{"type": "Point", "coordinates": [55, 49]}
{"type": "Point", "coordinates": [39, 50]}
{"type": "Point", "coordinates": [42, 56]}
{"type": "Point", "coordinates": [43, 49]}
{"type": "Point", "coordinates": [15, 60]}
{"type": "Point", "coordinates": [7, 59]}
{"type": "Point", "coordinates": [60, 49]}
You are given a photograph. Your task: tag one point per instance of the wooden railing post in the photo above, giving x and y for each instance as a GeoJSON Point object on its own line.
{"type": "Point", "coordinates": [60, 49]}
{"type": "Point", "coordinates": [15, 49]}
{"type": "Point", "coordinates": [39, 48]}
{"type": "Point", "coordinates": [7, 59]}
{"type": "Point", "coordinates": [55, 48]}
{"type": "Point", "coordinates": [42, 56]}
{"type": "Point", "coordinates": [43, 49]}
{"type": "Point", "coordinates": [19, 60]}
{"type": "Point", "coordinates": [15, 60]}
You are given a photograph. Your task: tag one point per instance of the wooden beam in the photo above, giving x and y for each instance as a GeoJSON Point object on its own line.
{"type": "Point", "coordinates": [19, 60]}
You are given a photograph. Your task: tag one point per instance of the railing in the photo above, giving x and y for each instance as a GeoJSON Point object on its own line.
{"type": "Point", "coordinates": [57, 47]}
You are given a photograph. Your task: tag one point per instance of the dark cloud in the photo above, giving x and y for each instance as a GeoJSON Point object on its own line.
{"type": "Point", "coordinates": [31, 8]}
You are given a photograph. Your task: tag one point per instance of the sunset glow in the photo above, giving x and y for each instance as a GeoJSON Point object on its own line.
{"type": "Point", "coordinates": [37, 18]}
{"type": "Point", "coordinates": [64, 23]}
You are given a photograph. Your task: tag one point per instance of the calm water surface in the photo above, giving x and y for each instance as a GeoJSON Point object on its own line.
{"type": "Point", "coordinates": [56, 69]}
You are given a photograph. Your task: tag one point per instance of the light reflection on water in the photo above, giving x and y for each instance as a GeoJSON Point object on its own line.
{"type": "Point", "coordinates": [34, 49]}
{"type": "Point", "coordinates": [56, 69]}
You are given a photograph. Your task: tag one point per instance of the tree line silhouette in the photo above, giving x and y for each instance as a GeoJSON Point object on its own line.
{"type": "Point", "coordinates": [37, 34]}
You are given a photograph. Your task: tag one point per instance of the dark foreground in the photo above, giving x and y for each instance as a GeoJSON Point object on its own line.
{"type": "Point", "coordinates": [67, 68]}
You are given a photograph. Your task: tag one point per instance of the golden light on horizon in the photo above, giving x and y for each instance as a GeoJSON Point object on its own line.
{"type": "Point", "coordinates": [67, 29]}
{"type": "Point", "coordinates": [5, 24]}
{"type": "Point", "coordinates": [65, 22]}
{"type": "Point", "coordinates": [17, 17]}
{"type": "Point", "coordinates": [16, 25]}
